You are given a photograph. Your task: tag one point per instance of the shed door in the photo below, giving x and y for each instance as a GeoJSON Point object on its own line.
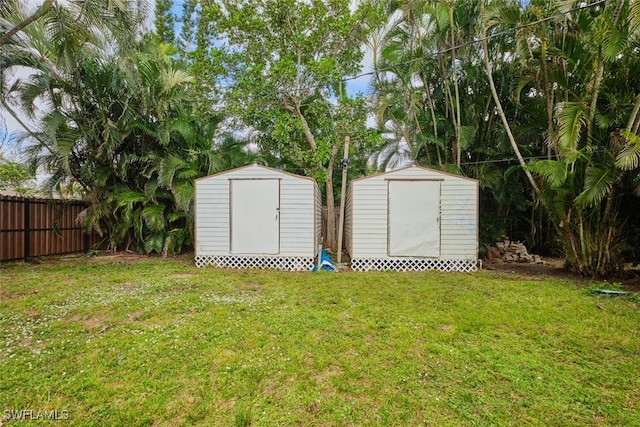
{"type": "Point", "coordinates": [414, 218]}
{"type": "Point", "coordinates": [255, 216]}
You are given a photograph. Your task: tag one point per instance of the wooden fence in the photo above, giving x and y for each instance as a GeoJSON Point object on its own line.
{"type": "Point", "coordinates": [325, 214]}
{"type": "Point", "coordinates": [39, 227]}
{"type": "Point", "coordinates": [32, 227]}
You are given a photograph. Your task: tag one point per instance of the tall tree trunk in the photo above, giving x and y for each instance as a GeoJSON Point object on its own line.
{"type": "Point", "coordinates": [456, 118]}
{"type": "Point", "coordinates": [432, 111]}
{"type": "Point", "coordinates": [548, 94]}
{"type": "Point", "coordinates": [305, 127]}
{"type": "Point", "coordinates": [36, 15]}
{"type": "Point", "coordinates": [597, 83]}
{"type": "Point", "coordinates": [634, 116]}
{"type": "Point", "coordinates": [18, 119]}
{"type": "Point", "coordinates": [448, 97]}
{"type": "Point", "coordinates": [331, 207]}
{"type": "Point", "coordinates": [494, 93]}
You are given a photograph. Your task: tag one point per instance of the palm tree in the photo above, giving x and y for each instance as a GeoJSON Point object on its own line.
{"type": "Point", "coordinates": [405, 94]}
{"type": "Point", "coordinates": [119, 18]}
{"type": "Point", "coordinates": [582, 186]}
{"type": "Point", "coordinates": [562, 104]}
{"type": "Point", "coordinates": [155, 149]}
{"type": "Point", "coordinates": [418, 68]}
{"type": "Point", "coordinates": [119, 121]}
{"type": "Point", "coordinates": [498, 103]}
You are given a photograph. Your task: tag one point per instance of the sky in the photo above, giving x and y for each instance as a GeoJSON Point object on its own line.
{"type": "Point", "coordinates": [9, 127]}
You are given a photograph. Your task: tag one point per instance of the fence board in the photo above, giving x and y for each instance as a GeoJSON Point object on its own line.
{"type": "Point", "coordinates": [336, 213]}
{"type": "Point", "coordinates": [32, 227]}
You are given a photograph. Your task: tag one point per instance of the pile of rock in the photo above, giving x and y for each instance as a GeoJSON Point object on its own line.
{"type": "Point", "coordinates": [510, 251]}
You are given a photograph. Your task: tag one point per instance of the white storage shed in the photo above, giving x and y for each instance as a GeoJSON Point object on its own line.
{"type": "Point", "coordinates": [257, 217]}
{"type": "Point", "coordinates": [412, 219]}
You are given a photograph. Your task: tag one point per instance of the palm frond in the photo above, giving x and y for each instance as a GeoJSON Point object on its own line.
{"type": "Point", "coordinates": [184, 193]}
{"type": "Point", "coordinates": [167, 170]}
{"type": "Point", "coordinates": [127, 197]}
{"type": "Point", "coordinates": [554, 172]}
{"type": "Point", "coordinates": [519, 84]}
{"type": "Point", "coordinates": [171, 79]}
{"type": "Point", "coordinates": [629, 157]}
{"type": "Point", "coordinates": [101, 175]}
{"type": "Point", "coordinates": [153, 216]}
{"type": "Point", "coordinates": [142, 124]}
{"type": "Point", "coordinates": [154, 242]}
{"type": "Point", "coordinates": [184, 127]}
{"type": "Point", "coordinates": [597, 184]}
{"type": "Point", "coordinates": [614, 41]}
{"type": "Point", "coordinates": [634, 16]}
{"type": "Point", "coordinates": [571, 120]}
{"type": "Point", "coordinates": [466, 136]}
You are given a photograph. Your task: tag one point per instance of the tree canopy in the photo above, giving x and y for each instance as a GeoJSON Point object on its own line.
{"type": "Point", "coordinates": [538, 100]}
{"type": "Point", "coordinates": [285, 65]}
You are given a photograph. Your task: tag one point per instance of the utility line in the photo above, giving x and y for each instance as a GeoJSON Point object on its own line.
{"type": "Point", "coordinates": [489, 37]}
{"type": "Point", "coordinates": [449, 49]}
{"type": "Point", "coordinates": [474, 41]}
{"type": "Point", "coordinates": [470, 163]}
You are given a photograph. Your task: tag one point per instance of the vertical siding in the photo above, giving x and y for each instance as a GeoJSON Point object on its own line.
{"type": "Point", "coordinates": [318, 218]}
{"type": "Point", "coordinates": [297, 221]}
{"type": "Point", "coordinates": [212, 216]}
{"type": "Point", "coordinates": [459, 218]}
{"type": "Point", "coordinates": [348, 222]}
{"type": "Point", "coordinates": [369, 213]}
{"type": "Point", "coordinates": [298, 212]}
{"type": "Point", "coordinates": [458, 214]}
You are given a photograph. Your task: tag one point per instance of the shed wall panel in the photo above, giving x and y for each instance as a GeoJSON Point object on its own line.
{"type": "Point", "coordinates": [458, 214]}
{"type": "Point", "coordinates": [348, 222]}
{"type": "Point", "coordinates": [298, 207]}
{"type": "Point", "coordinates": [318, 218]}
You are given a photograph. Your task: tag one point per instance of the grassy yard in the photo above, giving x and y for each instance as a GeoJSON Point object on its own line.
{"type": "Point", "coordinates": [156, 342]}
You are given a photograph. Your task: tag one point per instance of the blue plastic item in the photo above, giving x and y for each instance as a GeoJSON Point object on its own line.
{"type": "Point", "coordinates": [325, 262]}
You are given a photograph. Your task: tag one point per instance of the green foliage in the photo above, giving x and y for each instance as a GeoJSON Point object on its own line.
{"type": "Point", "coordinates": [165, 22]}
{"type": "Point", "coordinates": [559, 87]}
{"type": "Point", "coordinates": [597, 184]}
{"type": "Point", "coordinates": [286, 61]}
{"type": "Point", "coordinates": [572, 119]}
{"type": "Point", "coordinates": [132, 131]}
{"type": "Point", "coordinates": [17, 177]}
{"type": "Point", "coordinates": [554, 172]}
{"type": "Point", "coordinates": [629, 157]}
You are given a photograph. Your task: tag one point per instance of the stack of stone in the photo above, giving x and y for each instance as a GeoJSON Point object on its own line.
{"type": "Point", "coordinates": [510, 251]}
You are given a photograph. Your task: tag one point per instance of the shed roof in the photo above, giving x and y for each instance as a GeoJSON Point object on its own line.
{"type": "Point", "coordinates": [256, 166]}
{"type": "Point", "coordinates": [399, 170]}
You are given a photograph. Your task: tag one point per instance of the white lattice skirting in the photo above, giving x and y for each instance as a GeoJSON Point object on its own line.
{"type": "Point", "coordinates": [409, 264]}
{"type": "Point", "coordinates": [273, 263]}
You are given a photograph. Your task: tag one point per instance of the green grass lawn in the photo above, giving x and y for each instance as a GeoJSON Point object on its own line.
{"type": "Point", "coordinates": [159, 342]}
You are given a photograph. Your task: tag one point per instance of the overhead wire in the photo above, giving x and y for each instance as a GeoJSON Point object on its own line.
{"type": "Point", "coordinates": [469, 163]}
{"type": "Point", "coordinates": [472, 42]}
{"type": "Point", "coordinates": [467, 43]}
{"type": "Point", "coordinates": [481, 39]}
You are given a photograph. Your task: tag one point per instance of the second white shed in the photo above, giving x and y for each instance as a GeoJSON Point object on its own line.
{"type": "Point", "coordinates": [412, 219]}
{"type": "Point", "coordinates": [259, 217]}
